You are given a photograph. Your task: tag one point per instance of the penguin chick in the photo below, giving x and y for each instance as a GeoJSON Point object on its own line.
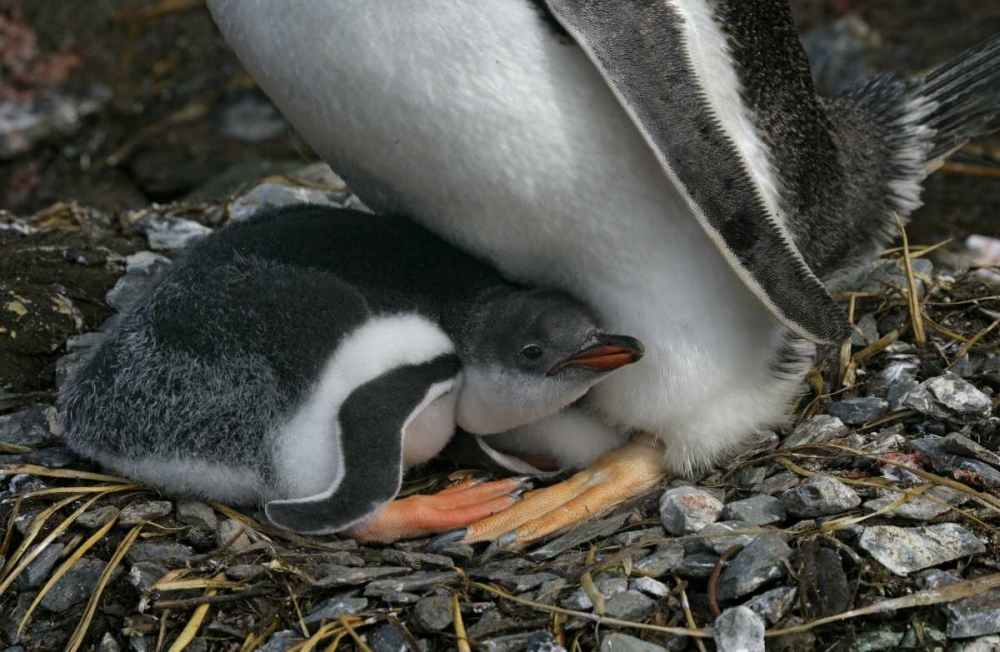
{"type": "Point", "coordinates": [303, 360]}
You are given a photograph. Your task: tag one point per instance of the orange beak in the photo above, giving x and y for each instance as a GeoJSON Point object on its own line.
{"type": "Point", "coordinates": [611, 352]}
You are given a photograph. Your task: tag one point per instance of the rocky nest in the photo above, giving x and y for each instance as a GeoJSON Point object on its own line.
{"type": "Point", "coordinates": [868, 524]}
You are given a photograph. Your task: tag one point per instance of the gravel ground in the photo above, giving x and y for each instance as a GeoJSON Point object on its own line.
{"type": "Point", "coordinates": [884, 486]}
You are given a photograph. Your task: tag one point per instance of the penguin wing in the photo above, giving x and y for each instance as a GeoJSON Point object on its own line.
{"type": "Point", "coordinates": [372, 422]}
{"type": "Point", "coordinates": [670, 64]}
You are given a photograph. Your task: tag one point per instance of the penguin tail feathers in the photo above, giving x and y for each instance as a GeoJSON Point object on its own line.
{"type": "Point", "coordinates": [958, 100]}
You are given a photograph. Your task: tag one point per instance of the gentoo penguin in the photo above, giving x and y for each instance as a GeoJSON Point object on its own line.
{"type": "Point", "coordinates": [666, 161]}
{"type": "Point", "coordinates": [305, 358]}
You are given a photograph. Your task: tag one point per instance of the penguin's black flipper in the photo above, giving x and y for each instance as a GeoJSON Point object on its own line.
{"type": "Point", "coordinates": [372, 423]}
{"type": "Point", "coordinates": [672, 65]}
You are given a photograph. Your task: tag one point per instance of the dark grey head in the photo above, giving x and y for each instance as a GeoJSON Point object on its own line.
{"type": "Point", "coordinates": [531, 353]}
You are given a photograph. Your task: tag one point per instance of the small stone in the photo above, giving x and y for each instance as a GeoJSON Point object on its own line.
{"type": "Point", "coordinates": [629, 605]}
{"type": "Point", "coordinates": [196, 514]}
{"type": "Point", "coordinates": [921, 634]}
{"type": "Point", "coordinates": [775, 604]}
{"type": "Point", "coordinates": [146, 263]}
{"type": "Point", "coordinates": [697, 566]}
{"type": "Point", "coordinates": [932, 503]}
{"type": "Point", "coordinates": [432, 614]}
{"type": "Point", "coordinates": [580, 601]}
{"type": "Point", "coordinates": [958, 444]}
{"type": "Point", "coordinates": [549, 591]}
{"type": "Point", "coordinates": [342, 558]}
{"type": "Point", "coordinates": [41, 566]}
{"type": "Point", "coordinates": [234, 534]}
{"type": "Point", "coordinates": [823, 582]}
{"type": "Point", "coordinates": [756, 510]}
{"type": "Point", "coordinates": [859, 411]}
{"type": "Point", "coordinates": [96, 518]}
{"type": "Point", "coordinates": [948, 397]}
{"type": "Point", "coordinates": [653, 588]}
{"type": "Point", "coordinates": [145, 574]}
{"type": "Point", "coordinates": [281, 641]}
{"type": "Point", "coordinates": [877, 640]}
{"type": "Point", "coordinates": [332, 609]}
{"type": "Point", "coordinates": [459, 552]}
{"type": "Point", "coordinates": [723, 535]}
{"type": "Point", "coordinates": [346, 576]}
{"type": "Point", "coordinates": [739, 630]}
{"type": "Point", "coordinates": [761, 563]}
{"type": "Point", "coordinates": [507, 643]}
{"type": "Point", "coordinates": [820, 495]}
{"type": "Point", "coordinates": [974, 616]}
{"type": "Point", "coordinates": [415, 560]}
{"type": "Point", "coordinates": [866, 331]}
{"type": "Point", "coordinates": [661, 562]}
{"type": "Point", "coordinates": [243, 572]}
{"type": "Point", "coordinates": [75, 586]}
{"type": "Point", "coordinates": [779, 483]}
{"type": "Point", "coordinates": [632, 537]}
{"type": "Point", "coordinates": [108, 644]}
{"type": "Point", "coordinates": [412, 582]}
{"type": "Point", "coordinates": [820, 429]}
{"type": "Point", "coordinates": [685, 510]}
{"type": "Point", "coordinates": [522, 583]}
{"type": "Point", "coordinates": [33, 427]}
{"type": "Point", "coordinates": [164, 553]}
{"type": "Point", "coordinates": [579, 535]}
{"type": "Point", "coordinates": [322, 187]}
{"type": "Point", "coordinates": [543, 641]}
{"type": "Point", "coordinates": [252, 120]}
{"type": "Point", "coordinates": [965, 469]}
{"type": "Point", "coordinates": [904, 550]}
{"type": "Point", "coordinates": [388, 638]}
{"type": "Point", "coordinates": [142, 512]}
{"type": "Point", "coordinates": [400, 597]}
{"type": "Point", "coordinates": [166, 233]}
{"type": "Point", "coordinates": [750, 478]}
{"type": "Point", "coordinates": [624, 643]}
{"type": "Point", "coordinates": [984, 644]}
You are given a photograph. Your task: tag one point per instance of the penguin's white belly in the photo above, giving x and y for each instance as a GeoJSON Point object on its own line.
{"type": "Point", "coordinates": [474, 118]}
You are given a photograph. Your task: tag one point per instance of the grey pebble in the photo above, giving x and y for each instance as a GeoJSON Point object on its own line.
{"type": "Point", "coordinates": [959, 444]}
{"type": "Point", "coordinates": [697, 566]}
{"type": "Point", "coordinates": [579, 600]}
{"type": "Point", "coordinates": [141, 512]}
{"type": "Point", "coordinates": [723, 535]}
{"type": "Point", "coordinates": [948, 397]}
{"type": "Point", "coordinates": [34, 427]}
{"type": "Point", "coordinates": [635, 536]}
{"type": "Point", "coordinates": [579, 535]}
{"type": "Point", "coordinates": [629, 605]}
{"type": "Point", "coordinates": [984, 644]}
{"type": "Point", "coordinates": [965, 469]}
{"type": "Point", "coordinates": [522, 583]}
{"type": "Point", "coordinates": [922, 508]}
{"type": "Point", "coordinates": [756, 510]}
{"type": "Point", "coordinates": [234, 534]}
{"type": "Point", "coordinates": [819, 429]}
{"type": "Point", "coordinates": [242, 572]}
{"type": "Point", "coordinates": [433, 613]}
{"type": "Point", "coordinates": [661, 562]}
{"type": "Point", "coordinates": [625, 643]}
{"type": "Point", "coordinates": [685, 510]}
{"type": "Point", "coordinates": [459, 552]}
{"type": "Point", "coordinates": [400, 597]}
{"type": "Point", "coordinates": [164, 553]}
{"type": "Point", "coordinates": [739, 630]}
{"type": "Point", "coordinates": [350, 576]}
{"type": "Point", "coordinates": [75, 586]}
{"type": "Point", "coordinates": [334, 608]}
{"type": "Point", "coordinates": [859, 411]}
{"type": "Point", "coordinates": [415, 560]}
{"type": "Point", "coordinates": [761, 563]}
{"type": "Point", "coordinates": [388, 638]}
{"type": "Point", "coordinates": [281, 641]}
{"type": "Point", "coordinates": [542, 641]}
{"type": "Point", "coordinates": [167, 233]}
{"type": "Point", "coordinates": [196, 514]}
{"type": "Point", "coordinates": [877, 640]}
{"type": "Point", "coordinates": [93, 519]}
{"type": "Point", "coordinates": [779, 483]}
{"type": "Point", "coordinates": [41, 566]}
{"type": "Point", "coordinates": [904, 550]}
{"type": "Point", "coordinates": [145, 263]}
{"type": "Point", "coordinates": [775, 604]}
{"type": "Point", "coordinates": [975, 616]}
{"type": "Point", "coordinates": [126, 290]}
{"type": "Point", "coordinates": [144, 574]}
{"type": "Point", "coordinates": [820, 495]}
{"type": "Point", "coordinates": [653, 588]}
{"type": "Point", "coordinates": [411, 582]}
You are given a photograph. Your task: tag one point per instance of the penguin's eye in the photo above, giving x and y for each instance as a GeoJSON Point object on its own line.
{"type": "Point", "coordinates": [532, 352]}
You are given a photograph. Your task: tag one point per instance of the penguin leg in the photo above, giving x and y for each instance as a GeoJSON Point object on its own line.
{"type": "Point", "coordinates": [623, 473]}
{"type": "Point", "coordinates": [454, 507]}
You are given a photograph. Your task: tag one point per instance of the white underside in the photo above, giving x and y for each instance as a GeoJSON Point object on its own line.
{"type": "Point", "coordinates": [505, 141]}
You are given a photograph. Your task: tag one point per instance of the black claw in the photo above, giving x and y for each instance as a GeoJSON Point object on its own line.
{"type": "Point", "coordinates": [517, 493]}
{"type": "Point", "coordinates": [506, 539]}
{"type": "Point", "coordinates": [525, 479]}
{"type": "Point", "coordinates": [451, 536]}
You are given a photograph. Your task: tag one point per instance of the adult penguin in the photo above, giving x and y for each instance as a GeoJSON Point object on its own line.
{"type": "Point", "coordinates": [680, 143]}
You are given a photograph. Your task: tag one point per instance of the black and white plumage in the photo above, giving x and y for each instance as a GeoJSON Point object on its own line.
{"type": "Point", "coordinates": [667, 161]}
{"type": "Point", "coordinates": [305, 358]}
